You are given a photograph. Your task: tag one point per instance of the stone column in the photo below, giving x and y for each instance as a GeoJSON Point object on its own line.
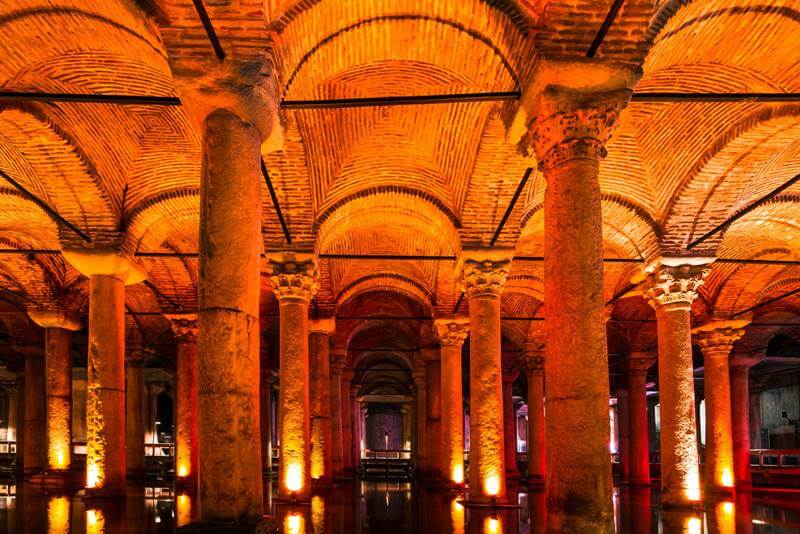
{"type": "Point", "coordinates": [319, 342]}
{"type": "Point", "coordinates": [337, 360]}
{"type": "Point", "coordinates": [671, 289]}
{"type": "Point", "coordinates": [638, 364]}
{"type": "Point", "coordinates": [452, 334]}
{"type": "Point", "coordinates": [740, 364]}
{"type": "Point", "coordinates": [187, 439]}
{"type": "Point", "coordinates": [510, 424]}
{"type": "Point", "coordinates": [347, 421]}
{"type": "Point", "coordinates": [35, 443]}
{"type": "Point", "coordinates": [294, 283]}
{"type": "Point", "coordinates": [716, 342]}
{"type": "Point", "coordinates": [135, 414]}
{"type": "Point", "coordinates": [109, 272]}
{"type": "Point", "coordinates": [570, 134]}
{"type": "Point", "coordinates": [358, 420]}
{"type": "Point", "coordinates": [265, 391]}
{"type": "Point", "coordinates": [20, 426]}
{"type": "Point", "coordinates": [228, 317]}
{"type": "Point", "coordinates": [433, 411]}
{"type": "Point", "coordinates": [418, 376]}
{"type": "Point", "coordinates": [534, 359]}
{"type": "Point", "coordinates": [154, 389]}
{"type": "Point", "coordinates": [58, 387]}
{"type": "Point", "coordinates": [483, 276]}
{"type": "Point", "coordinates": [623, 434]}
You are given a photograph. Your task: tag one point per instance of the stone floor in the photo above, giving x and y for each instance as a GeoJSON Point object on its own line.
{"type": "Point", "coordinates": [387, 508]}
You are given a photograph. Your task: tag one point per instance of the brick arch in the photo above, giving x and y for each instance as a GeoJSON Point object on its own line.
{"type": "Point", "coordinates": [150, 223]}
{"type": "Point", "coordinates": [24, 223]}
{"type": "Point", "coordinates": [387, 282]}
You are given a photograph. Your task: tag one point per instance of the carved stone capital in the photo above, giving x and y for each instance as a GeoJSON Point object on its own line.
{"type": "Point", "coordinates": [674, 284]}
{"type": "Point", "coordinates": [138, 356]}
{"type": "Point", "coordinates": [570, 125]}
{"type": "Point", "coordinates": [534, 363]}
{"type": "Point", "coordinates": [484, 277]}
{"type": "Point", "coordinates": [452, 332]}
{"type": "Point", "coordinates": [294, 276]}
{"type": "Point", "coordinates": [184, 327]}
{"type": "Point", "coordinates": [640, 362]}
{"type": "Point", "coordinates": [55, 318]}
{"type": "Point", "coordinates": [718, 343]}
{"type": "Point", "coordinates": [326, 325]}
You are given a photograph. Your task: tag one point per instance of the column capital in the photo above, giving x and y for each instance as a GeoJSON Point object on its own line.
{"type": "Point", "coordinates": [573, 125]}
{"type": "Point", "coordinates": [452, 331]}
{"type": "Point", "coordinates": [483, 272]}
{"type": "Point", "coordinates": [138, 356]}
{"type": "Point", "coordinates": [184, 327]}
{"type": "Point", "coordinates": [294, 275]}
{"type": "Point", "coordinates": [675, 281]}
{"type": "Point", "coordinates": [640, 362]}
{"type": "Point", "coordinates": [112, 263]}
{"type": "Point", "coordinates": [55, 318]}
{"type": "Point", "coordinates": [534, 363]}
{"type": "Point", "coordinates": [716, 339]}
{"type": "Point", "coordinates": [322, 325]}
{"type": "Point", "coordinates": [510, 374]}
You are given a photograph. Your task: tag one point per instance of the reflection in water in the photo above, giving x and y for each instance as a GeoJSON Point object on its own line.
{"type": "Point", "coordinates": [185, 509]}
{"type": "Point", "coordinates": [456, 517]}
{"type": "Point", "coordinates": [58, 510]}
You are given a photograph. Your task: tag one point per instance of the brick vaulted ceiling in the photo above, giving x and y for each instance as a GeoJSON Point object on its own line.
{"type": "Point", "coordinates": [400, 180]}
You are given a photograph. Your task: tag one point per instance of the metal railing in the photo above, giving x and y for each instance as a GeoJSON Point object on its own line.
{"type": "Point", "coordinates": [775, 458]}
{"type": "Point", "coordinates": [399, 454]}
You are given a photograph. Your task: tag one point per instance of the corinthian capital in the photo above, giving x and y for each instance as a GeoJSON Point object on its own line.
{"type": "Point", "coordinates": [452, 332]}
{"type": "Point", "coordinates": [571, 125]}
{"type": "Point", "coordinates": [675, 283]}
{"type": "Point", "coordinates": [484, 272]}
{"type": "Point", "coordinates": [184, 327]}
{"type": "Point", "coordinates": [716, 339]}
{"type": "Point", "coordinates": [294, 276]}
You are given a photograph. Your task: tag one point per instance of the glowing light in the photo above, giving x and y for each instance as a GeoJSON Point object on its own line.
{"type": "Point", "coordinates": [692, 490]}
{"type": "Point", "coordinates": [492, 525]}
{"type": "Point", "coordinates": [727, 507]}
{"type": "Point", "coordinates": [184, 505]}
{"type": "Point", "coordinates": [727, 478]}
{"type": "Point", "coordinates": [458, 474]}
{"type": "Point", "coordinates": [92, 475]}
{"type": "Point", "coordinates": [457, 516]}
{"type": "Point", "coordinates": [726, 518]}
{"type": "Point", "coordinates": [492, 485]}
{"type": "Point", "coordinates": [318, 513]}
{"type": "Point", "coordinates": [58, 515]}
{"type": "Point", "coordinates": [694, 525]}
{"type": "Point", "coordinates": [294, 478]}
{"type": "Point", "coordinates": [95, 522]}
{"type": "Point", "coordinates": [294, 524]}
{"type": "Point", "coordinates": [183, 470]}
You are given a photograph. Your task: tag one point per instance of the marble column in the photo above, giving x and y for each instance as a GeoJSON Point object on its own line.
{"type": "Point", "coordinates": [433, 411]}
{"type": "Point", "coordinates": [418, 375]}
{"type": "Point", "coordinates": [20, 420]}
{"type": "Point", "coordinates": [135, 411]}
{"type": "Point", "coordinates": [483, 276]}
{"type": "Point", "coordinates": [534, 364]}
{"type": "Point", "coordinates": [510, 424]}
{"type": "Point", "coordinates": [109, 272]}
{"type": "Point", "coordinates": [716, 342]}
{"type": "Point", "coordinates": [569, 136]}
{"type": "Point", "coordinates": [671, 288]}
{"type": "Point", "coordinates": [740, 364]}
{"type": "Point", "coordinates": [265, 392]}
{"type": "Point", "coordinates": [294, 283]}
{"type": "Point", "coordinates": [187, 439]}
{"type": "Point", "coordinates": [35, 443]}
{"type": "Point", "coordinates": [319, 342]}
{"type": "Point", "coordinates": [638, 364]}
{"type": "Point", "coordinates": [623, 434]}
{"type": "Point", "coordinates": [452, 334]}
{"type": "Point", "coordinates": [347, 422]}
{"type": "Point", "coordinates": [337, 360]}
{"type": "Point", "coordinates": [58, 386]}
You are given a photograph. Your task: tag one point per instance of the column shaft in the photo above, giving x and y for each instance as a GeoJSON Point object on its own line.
{"type": "Point", "coordinates": [639, 440]}
{"type": "Point", "coordinates": [510, 426]}
{"type": "Point", "coordinates": [105, 388]}
{"type": "Point", "coordinates": [347, 422]}
{"type": "Point", "coordinates": [433, 401]}
{"type": "Point", "coordinates": [59, 399]}
{"type": "Point", "coordinates": [452, 450]}
{"type": "Point", "coordinates": [187, 455]}
{"type": "Point", "coordinates": [420, 411]}
{"type": "Point", "coordinates": [536, 424]}
{"type": "Point", "coordinates": [740, 386]}
{"type": "Point", "coordinates": [336, 422]}
{"type": "Point", "coordinates": [321, 433]}
{"type": "Point", "coordinates": [228, 324]}
{"type": "Point", "coordinates": [136, 400]}
{"type": "Point", "coordinates": [35, 443]}
{"type": "Point", "coordinates": [265, 392]}
{"type": "Point", "coordinates": [624, 434]}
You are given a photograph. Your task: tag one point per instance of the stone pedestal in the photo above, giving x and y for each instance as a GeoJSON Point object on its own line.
{"type": "Point", "coordinates": [639, 441]}
{"type": "Point", "coordinates": [452, 334]}
{"type": "Point", "coordinates": [319, 341]}
{"type": "Point", "coordinates": [294, 283]}
{"type": "Point", "coordinates": [483, 276]}
{"type": "Point", "coordinates": [671, 289]}
{"type": "Point", "coordinates": [534, 364]}
{"type": "Point", "coordinates": [740, 363]}
{"type": "Point", "coordinates": [716, 342]}
{"type": "Point", "coordinates": [187, 455]}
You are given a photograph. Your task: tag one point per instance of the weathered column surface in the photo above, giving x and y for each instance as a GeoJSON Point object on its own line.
{"type": "Point", "coordinates": [671, 289]}
{"type": "Point", "coordinates": [433, 412]}
{"type": "Point", "coordinates": [58, 386]}
{"type": "Point", "coordinates": [639, 441]}
{"type": "Point", "coordinates": [623, 434]}
{"type": "Point", "coordinates": [483, 276]}
{"type": "Point", "coordinates": [570, 134]}
{"type": "Point", "coordinates": [337, 359]}
{"type": "Point", "coordinates": [187, 439]}
{"type": "Point", "coordinates": [319, 342]}
{"type": "Point", "coordinates": [228, 321]}
{"type": "Point", "coordinates": [740, 364]}
{"type": "Point", "coordinates": [420, 413]}
{"type": "Point", "coordinates": [135, 410]}
{"type": "Point", "coordinates": [294, 283]}
{"type": "Point", "coordinates": [348, 419]}
{"type": "Point", "coordinates": [716, 342]}
{"type": "Point", "coordinates": [534, 364]}
{"type": "Point", "coordinates": [510, 423]}
{"type": "Point", "coordinates": [452, 334]}
{"type": "Point", "coordinates": [267, 381]}
{"type": "Point", "coordinates": [35, 442]}
{"type": "Point", "coordinates": [109, 272]}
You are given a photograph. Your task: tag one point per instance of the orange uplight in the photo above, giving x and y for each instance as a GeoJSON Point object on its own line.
{"type": "Point", "coordinates": [294, 524]}
{"type": "Point", "coordinates": [458, 473]}
{"type": "Point", "coordinates": [294, 478]}
{"type": "Point", "coordinates": [58, 515]}
{"type": "Point", "coordinates": [492, 525]}
{"type": "Point", "coordinates": [317, 514]}
{"type": "Point", "coordinates": [184, 506]}
{"type": "Point", "coordinates": [183, 470]}
{"type": "Point", "coordinates": [692, 490]}
{"type": "Point", "coordinates": [95, 522]}
{"type": "Point", "coordinates": [694, 525]}
{"type": "Point", "coordinates": [492, 485]}
{"type": "Point", "coordinates": [726, 480]}
{"type": "Point", "coordinates": [93, 474]}
{"type": "Point", "coordinates": [457, 516]}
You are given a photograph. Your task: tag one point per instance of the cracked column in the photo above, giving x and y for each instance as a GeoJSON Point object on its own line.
{"type": "Point", "coordinates": [58, 387]}
{"type": "Point", "coordinates": [109, 272]}
{"type": "Point", "coordinates": [639, 444]}
{"type": "Point", "coordinates": [483, 275]}
{"type": "Point", "coordinates": [740, 364]}
{"type": "Point", "coordinates": [671, 288]}
{"type": "Point", "coordinates": [452, 334]}
{"type": "Point", "coordinates": [534, 364]}
{"type": "Point", "coordinates": [319, 342]}
{"type": "Point", "coordinates": [569, 135]}
{"type": "Point", "coordinates": [716, 341]}
{"type": "Point", "coordinates": [510, 424]}
{"type": "Point", "coordinates": [294, 283]}
{"type": "Point", "coordinates": [187, 456]}
{"type": "Point", "coordinates": [135, 410]}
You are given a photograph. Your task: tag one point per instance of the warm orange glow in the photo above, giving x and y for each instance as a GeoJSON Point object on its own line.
{"type": "Point", "coordinates": [492, 485]}
{"type": "Point", "coordinates": [184, 506]}
{"type": "Point", "coordinates": [726, 480]}
{"type": "Point", "coordinates": [294, 524]}
{"type": "Point", "coordinates": [458, 474]}
{"type": "Point", "coordinates": [58, 516]}
{"type": "Point", "coordinates": [183, 470]}
{"type": "Point", "coordinates": [93, 473]}
{"type": "Point", "coordinates": [294, 478]}
{"type": "Point", "coordinates": [95, 522]}
{"type": "Point", "coordinates": [694, 525]}
{"type": "Point", "coordinates": [492, 525]}
{"type": "Point", "coordinates": [726, 518]}
{"type": "Point", "coordinates": [318, 514]}
{"type": "Point", "coordinates": [692, 490]}
{"type": "Point", "coordinates": [457, 516]}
